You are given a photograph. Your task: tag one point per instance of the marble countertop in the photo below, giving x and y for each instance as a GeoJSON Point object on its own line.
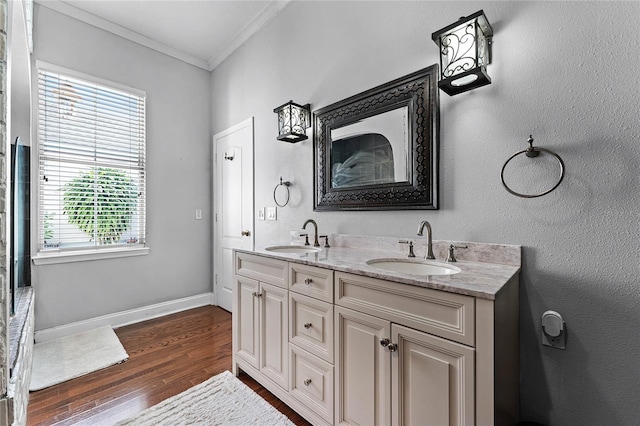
{"type": "Point", "coordinates": [478, 279]}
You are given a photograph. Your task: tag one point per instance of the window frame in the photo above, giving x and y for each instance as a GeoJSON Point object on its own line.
{"type": "Point", "coordinates": [45, 257]}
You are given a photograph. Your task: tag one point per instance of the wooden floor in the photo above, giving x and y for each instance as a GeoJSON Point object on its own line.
{"type": "Point", "coordinates": [167, 356]}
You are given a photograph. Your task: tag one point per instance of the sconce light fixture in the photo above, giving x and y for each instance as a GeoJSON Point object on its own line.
{"type": "Point", "coordinates": [465, 52]}
{"type": "Point", "coordinates": [293, 121]}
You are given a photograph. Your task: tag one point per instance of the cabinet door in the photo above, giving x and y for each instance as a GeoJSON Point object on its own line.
{"type": "Point", "coordinates": [246, 321]}
{"type": "Point", "coordinates": [432, 380]}
{"type": "Point", "coordinates": [274, 341]}
{"type": "Point", "coordinates": [363, 377]}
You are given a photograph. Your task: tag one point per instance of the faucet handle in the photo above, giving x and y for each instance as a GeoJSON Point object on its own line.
{"type": "Point", "coordinates": [306, 239]}
{"type": "Point", "coordinates": [451, 257]}
{"type": "Point", "coordinates": [326, 240]}
{"type": "Point", "coordinates": [411, 254]}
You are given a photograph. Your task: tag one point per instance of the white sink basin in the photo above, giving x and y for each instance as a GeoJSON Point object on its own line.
{"type": "Point", "coordinates": [415, 267]}
{"type": "Point", "coordinates": [294, 249]}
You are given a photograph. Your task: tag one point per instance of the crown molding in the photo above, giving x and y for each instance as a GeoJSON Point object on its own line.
{"type": "Point", "coordinates": [268, 13]}
{"type": "Point", "coordinates": [271, 10]}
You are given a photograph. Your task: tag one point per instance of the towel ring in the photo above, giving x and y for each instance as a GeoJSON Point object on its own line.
{"type": "Point", "coordinates": [532, 152]}
{"type": "Point", "coordinates": [275, 190]}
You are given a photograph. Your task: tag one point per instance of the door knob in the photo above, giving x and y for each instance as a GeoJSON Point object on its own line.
{"type": "Point", "coordinates": [245, 233]}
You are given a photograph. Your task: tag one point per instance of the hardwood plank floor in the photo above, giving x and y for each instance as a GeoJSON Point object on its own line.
{"type": "Point", "coordinates": [167, 356]}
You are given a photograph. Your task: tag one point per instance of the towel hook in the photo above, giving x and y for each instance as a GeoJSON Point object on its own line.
{"type": "Point", "coordinates": [532, 152]}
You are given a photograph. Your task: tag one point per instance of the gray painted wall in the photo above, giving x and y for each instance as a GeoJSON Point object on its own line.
{"type": "Point", "coordinates": [565, 72]}
{"type": "Point", "coordinates": [178, 179]}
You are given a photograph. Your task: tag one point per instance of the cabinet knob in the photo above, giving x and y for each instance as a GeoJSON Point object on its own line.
{"type": "Point", "coordinates": [308, 281]}
{"type": "Point", "coordinates": [386, 343]}
{"type": "Point", "coordinates": [307, 325]}
{"type": "Point", "coordinates": [245, 233]}
{"type": "Point", "coordinates": [307, 382]}
{"type": "Point", "coordinates": [255, 294]}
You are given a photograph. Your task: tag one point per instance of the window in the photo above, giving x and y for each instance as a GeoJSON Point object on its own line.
{"type": "Point", "coordinates": [91, 162]}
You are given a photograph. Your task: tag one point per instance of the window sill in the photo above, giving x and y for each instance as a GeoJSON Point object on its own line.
{"type": "Point", "coordinates": [87, 255]}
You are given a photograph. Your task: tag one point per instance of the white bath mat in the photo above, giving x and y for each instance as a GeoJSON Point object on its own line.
{"type": "Point", "coordinates": [65, 358]}
{"type": "Point", "coordinates": [221, 400]}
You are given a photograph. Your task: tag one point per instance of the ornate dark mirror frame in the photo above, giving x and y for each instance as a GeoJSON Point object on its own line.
{"type": "Point", "coordinates": [417, 91]}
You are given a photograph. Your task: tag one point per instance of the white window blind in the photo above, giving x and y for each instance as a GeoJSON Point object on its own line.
{"type": "Point", "coordinates": [91, 152]}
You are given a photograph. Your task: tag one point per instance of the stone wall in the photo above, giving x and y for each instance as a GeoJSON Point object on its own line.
{"type": "Point", "coordinates": [14, 388]}
{"type": "Point", "coordinates": [18, 388]}
{"type": "Point", "coordinates": [4, 315]}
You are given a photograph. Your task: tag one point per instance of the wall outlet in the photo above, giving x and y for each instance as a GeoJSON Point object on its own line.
{"type": "Point", "coordinates": [198, 214]}
{"type": "Point", "coordinates": [271, 213]}
{"type": "Point", "coordinates": [554, 330]}
{"type": "Point", "coordinates": [261, 213]}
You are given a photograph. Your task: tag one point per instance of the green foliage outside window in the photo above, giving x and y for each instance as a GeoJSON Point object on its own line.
{"type": "Point", "coordinates": [101, 203]}
{"type": "Point", "coordinates": [48, 227]}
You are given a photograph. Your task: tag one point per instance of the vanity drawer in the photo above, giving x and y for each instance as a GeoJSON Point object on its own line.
{"type": "Point", "coordinates": [311, 382]}
{"type": "Point", "coordinates": [311, 325]}
{"type": "Point", "coordinates": [312, 281]}
{"type": "Point", "coordinates": [265, 269]}
{"type": "Point", "coordinates": [443, 314]}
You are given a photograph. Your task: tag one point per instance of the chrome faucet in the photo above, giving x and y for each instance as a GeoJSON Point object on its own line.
{"type": "Point", "coordinates": [426, 224]}
{"type": "Point", "coordinates": [315, 230]}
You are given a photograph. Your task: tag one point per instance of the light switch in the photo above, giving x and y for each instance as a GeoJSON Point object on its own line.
{"type": "Point", "coordinates": [271, 213]}
{"type": "Point", "coordinates": [261, 213]}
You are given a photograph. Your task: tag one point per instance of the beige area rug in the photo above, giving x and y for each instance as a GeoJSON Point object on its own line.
{"type": "Point", "coordinates": [65, 358]}
{"type": "Point", "coordinates": [221, 400]}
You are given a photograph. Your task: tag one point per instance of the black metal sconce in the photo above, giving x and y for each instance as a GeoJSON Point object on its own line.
{"type": "Point", "coordinates": [293, 121]}
{"type": "Point", "coordinates": [465, 52]}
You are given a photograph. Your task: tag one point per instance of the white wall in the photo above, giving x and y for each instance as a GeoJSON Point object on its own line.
{"type": "Point", "coordinates": [20, 77]}
{"type": "Point", "coordinates": [178, 179]}
{"type": "Point", "coordinates": [565, 72]}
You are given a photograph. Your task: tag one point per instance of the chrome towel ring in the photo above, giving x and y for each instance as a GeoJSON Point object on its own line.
{"type": "Point", "coordinates": [286, 185]}
{"type": "Point", "coordinates": [532, 152]}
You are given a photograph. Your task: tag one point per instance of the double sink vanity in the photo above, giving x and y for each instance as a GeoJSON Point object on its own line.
{"type": "Point", "coordinates": [360, 333]}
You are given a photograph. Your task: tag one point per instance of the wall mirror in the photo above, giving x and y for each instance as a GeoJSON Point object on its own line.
{"type": "Point", "coordinates": [378, 150]}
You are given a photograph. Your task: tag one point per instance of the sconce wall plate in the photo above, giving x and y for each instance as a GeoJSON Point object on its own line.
{"type": "Point", "coordinates": [465, 52]}
{"type": "Point", "coordinates": [293, 121]}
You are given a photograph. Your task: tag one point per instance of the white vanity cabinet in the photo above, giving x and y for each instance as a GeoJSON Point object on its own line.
{"type": "Point", "coordinates": [346, 349]}
{"type": "Point", "coordinates": [414, 379]}
{"type": "Point", "coordinates": [406, 374]}
{"type": "Point", "coordinates": [260, 319]}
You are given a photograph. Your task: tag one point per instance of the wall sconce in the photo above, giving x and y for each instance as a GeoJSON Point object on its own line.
{"type": "Point", "coordinates": [293, 121]}
{"type": "Point", "coordinates": [465, 52]}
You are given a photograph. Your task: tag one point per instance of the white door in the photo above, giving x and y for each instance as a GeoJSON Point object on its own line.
{"type": "Point", "coordinates": [274, 333]}
{"type": "Point", "coordinates": [432, 380]}
{"type": "Point", "coordinates": [363, 376]}
{"type": "Point", "coordinates": [247, 321]}
{"type": "Point", "coordinates": [233, 204]}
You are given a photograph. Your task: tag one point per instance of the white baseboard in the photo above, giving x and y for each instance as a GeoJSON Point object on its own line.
{"type": "Point", "coordinates": [131, 316]}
